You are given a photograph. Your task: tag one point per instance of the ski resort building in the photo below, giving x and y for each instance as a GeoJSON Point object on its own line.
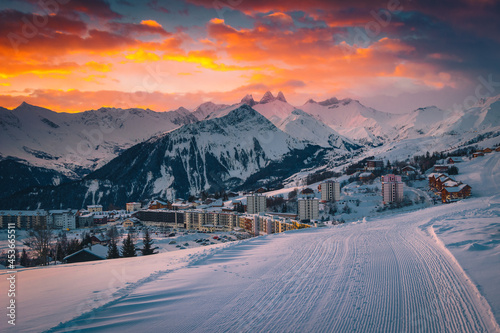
{"type": "Point", "coordinates": [265, 224]}
{"type": "Point", "coordinates": [65, 219]}
{"type": "Point", "coordinates": [392, 188]}
{"type": "Point", "coordinates": [256, 203]}
{"type": "Point", "coordinates": [94, 208]}
{"type": "Point", "coordinates": [23, 219]}
{"type": "Point", "coordinates": [133, 206]}
{"type": "Point", "coordinates": [203, 220]}
{"type": "Point", "coordinates": [330, 191]}
{"type": "Point", "coordinates": [372, 165]}
{"type": "Point", "coordinates": [454, 193]}
{"type": "Point", "coordinates": [308, 208]}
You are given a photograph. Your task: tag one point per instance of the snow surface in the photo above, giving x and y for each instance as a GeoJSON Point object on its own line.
{"type": "Point", "coordinates": [386, 274]}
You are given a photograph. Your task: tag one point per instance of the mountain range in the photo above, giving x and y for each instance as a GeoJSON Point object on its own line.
{"type": "Point", "coordinates": [111, 156]}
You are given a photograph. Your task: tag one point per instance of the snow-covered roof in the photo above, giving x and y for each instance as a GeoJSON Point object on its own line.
{"type": "Point", "coordinates": [451, 183]}
{"type": "Point", "coordinates": [24, 212]}
{"type": "Point", "coordinates": [456, 188]}
{"type": "Point", "coordinates": [366, 174]}
{"type": "Point", "coordinates": [86, 250]}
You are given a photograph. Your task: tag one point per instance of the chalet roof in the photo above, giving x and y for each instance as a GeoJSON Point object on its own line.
{"type": "Point", "coordinates": [86, 250]}
{"type": "Point", "coordinates": [366, 174]}
{"type": "Point", "coordinates": [451, 183]}
{"type": "Point", "coordinates": [456, 188]}
{"type": "Point", "coordinates": [455, 159]}
{"type": "Point", "coordinates": [409, 167]}
{"type": "Point", "coordinates": [152, 202]}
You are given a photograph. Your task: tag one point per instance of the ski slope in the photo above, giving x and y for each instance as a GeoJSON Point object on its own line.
{"type": "Point", "coordinates": [383, 275]}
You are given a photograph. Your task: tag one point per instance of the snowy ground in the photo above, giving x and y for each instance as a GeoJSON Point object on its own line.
{"type": "Point", "coordinates": [389, 275]}
{"type": "Point", "coordinates": [431, 270]}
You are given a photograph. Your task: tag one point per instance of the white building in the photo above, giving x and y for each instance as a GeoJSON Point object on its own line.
{"type": "Point", "coordinates": [256, 203]}
{"type": "Point", "coordinates": [392, 188]}
{"type": "Point", "coordinates": [330, 191]}
{"type": "Point", "coordinates": [64, 219]}
{"type": "Point", "coordinates": [308, 209]}
{"type": "Point", "coordinates": [94, 208]}
{"type": "Point", "coordinates": [133, 206]}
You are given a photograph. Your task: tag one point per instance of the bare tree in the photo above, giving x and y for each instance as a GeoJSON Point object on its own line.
{"type": "Point", "coordinates": [40, 239]}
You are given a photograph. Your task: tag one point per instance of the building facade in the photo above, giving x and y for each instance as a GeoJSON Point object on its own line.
{"type": "Point", "coordinates": [94, 208]}
{"type": "Point", "coordinates": [392, 188]}
{"type": "Point", "coordinates": [308, 208]}
{"type": "Point", "coordinates": [256, 203]}
{"type": "Point", "coordinates": [24, 219]}
{"type": "Point", "coordinates": [330, 191]}
{"type": "Point", "coordinates": [133, 206]}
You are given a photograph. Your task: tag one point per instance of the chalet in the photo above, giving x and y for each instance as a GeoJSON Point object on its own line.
{"type": "Point", "coordinates": [374, 165]}
{"type": "Point", "coordinates": [366, 176]}
{"type": "Point", "coordinates": [436, 180]}
{"type": "Point", "coordinates": [158, 204]}
{"type": "Point", "coordinates": [261, 190]}
{"type": "Point", "coordinates": [131, 222]}
{"type": "Point", "coordinates": [497, 148]}
{"type": "Point", "coordinates": [440, 181]}
{"type": "Point", "coordinates": [453, 160]}
{"type": "Point", "coordinates": [307, 193]}
{"type": "Point", "coordinates": [181, 205]}
{"type": "Point", "coordinates": [477, 154]}
{"type": "Point", "coordinates": [449, 194]}
{"type": "Point", "coordinates": [96, 240]}
{"type": "Point", "coordinates": [409, 170]}
{"type": "Point", "coordinates": [487, 150]}
{"type": "Point", "coordinates": [440, 168]}
{"type": "Point", "coordinates": [81, 256]}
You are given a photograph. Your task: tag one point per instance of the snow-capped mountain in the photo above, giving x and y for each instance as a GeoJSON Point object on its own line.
{"type": "Point", "coordinates": [305, 127]}
{"type": "Point", "coordinates": [276, 109]}
{"type": "Point", "coordinates": [352, 119]}
{"type": "Point", "coordinates": [77, 143]}
{"type": "Point", "coordinates": [242, 148]}
{"type": "Point", "coordinates": [204, 110]}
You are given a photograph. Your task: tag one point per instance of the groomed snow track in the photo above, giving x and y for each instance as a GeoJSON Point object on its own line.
{"type": "Point", "coordinates": [389, 275]}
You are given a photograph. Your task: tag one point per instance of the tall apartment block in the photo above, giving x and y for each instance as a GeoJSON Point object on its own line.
{"type": "Point", "coordinates": [308, 209]}
{"type": "Point", "coordinates": [392, 188]}
{"type": "Point", "coordinates": [256, 203]}
{"type": "Point", "coordinates": [330, 191]}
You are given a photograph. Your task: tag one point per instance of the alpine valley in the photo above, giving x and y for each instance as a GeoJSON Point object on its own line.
{"type": "Point", "coordinates": [113, 156]}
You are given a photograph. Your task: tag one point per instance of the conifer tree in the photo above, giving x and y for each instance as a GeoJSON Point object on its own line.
{"type": "Point", "coordinates": [113, 251]}
{"type": "Point", "coordinates": [128, 247]}
{"type": "Point", "coordinates": [148, 242]}
{"type": "Point", "coordinates": [25, 261]}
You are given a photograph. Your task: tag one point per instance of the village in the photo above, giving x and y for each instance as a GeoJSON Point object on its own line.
{"type": "Point", "coordinates": [365, 189]}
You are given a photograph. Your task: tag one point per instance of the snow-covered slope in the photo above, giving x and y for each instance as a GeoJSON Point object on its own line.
{"type": "Point", "coordinates": [204, 110]}
{"type": "Point", "coordinates": [273, 108]}
{"type": "Point", "coordinates": [80, 142]}
{"type": "Point", "coordinates": [305, 127]}
{"type": "Point", "coordinates": [353, 120]}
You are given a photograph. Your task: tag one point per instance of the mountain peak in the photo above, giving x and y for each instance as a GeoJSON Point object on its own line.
{"type": "Point", "coordinates": [311, 101]}
{"type": "Point", "coordinates": [330, 101]}
{"type": "Point", "coordinates": [281, 97]}
{"type": "Point", "coordinates": [248, 99]}
{"type": "Point", "coordinates": [268, 97]}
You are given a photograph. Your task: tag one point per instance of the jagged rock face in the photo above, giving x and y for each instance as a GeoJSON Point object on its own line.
{"type": "Point", "coordinates": [281, 97]}
{"type": "Point", "coordinates": [248, 99]}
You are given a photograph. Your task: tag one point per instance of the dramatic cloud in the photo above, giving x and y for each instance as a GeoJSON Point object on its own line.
{"type": "Point", "coordinates": [84, 51]}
